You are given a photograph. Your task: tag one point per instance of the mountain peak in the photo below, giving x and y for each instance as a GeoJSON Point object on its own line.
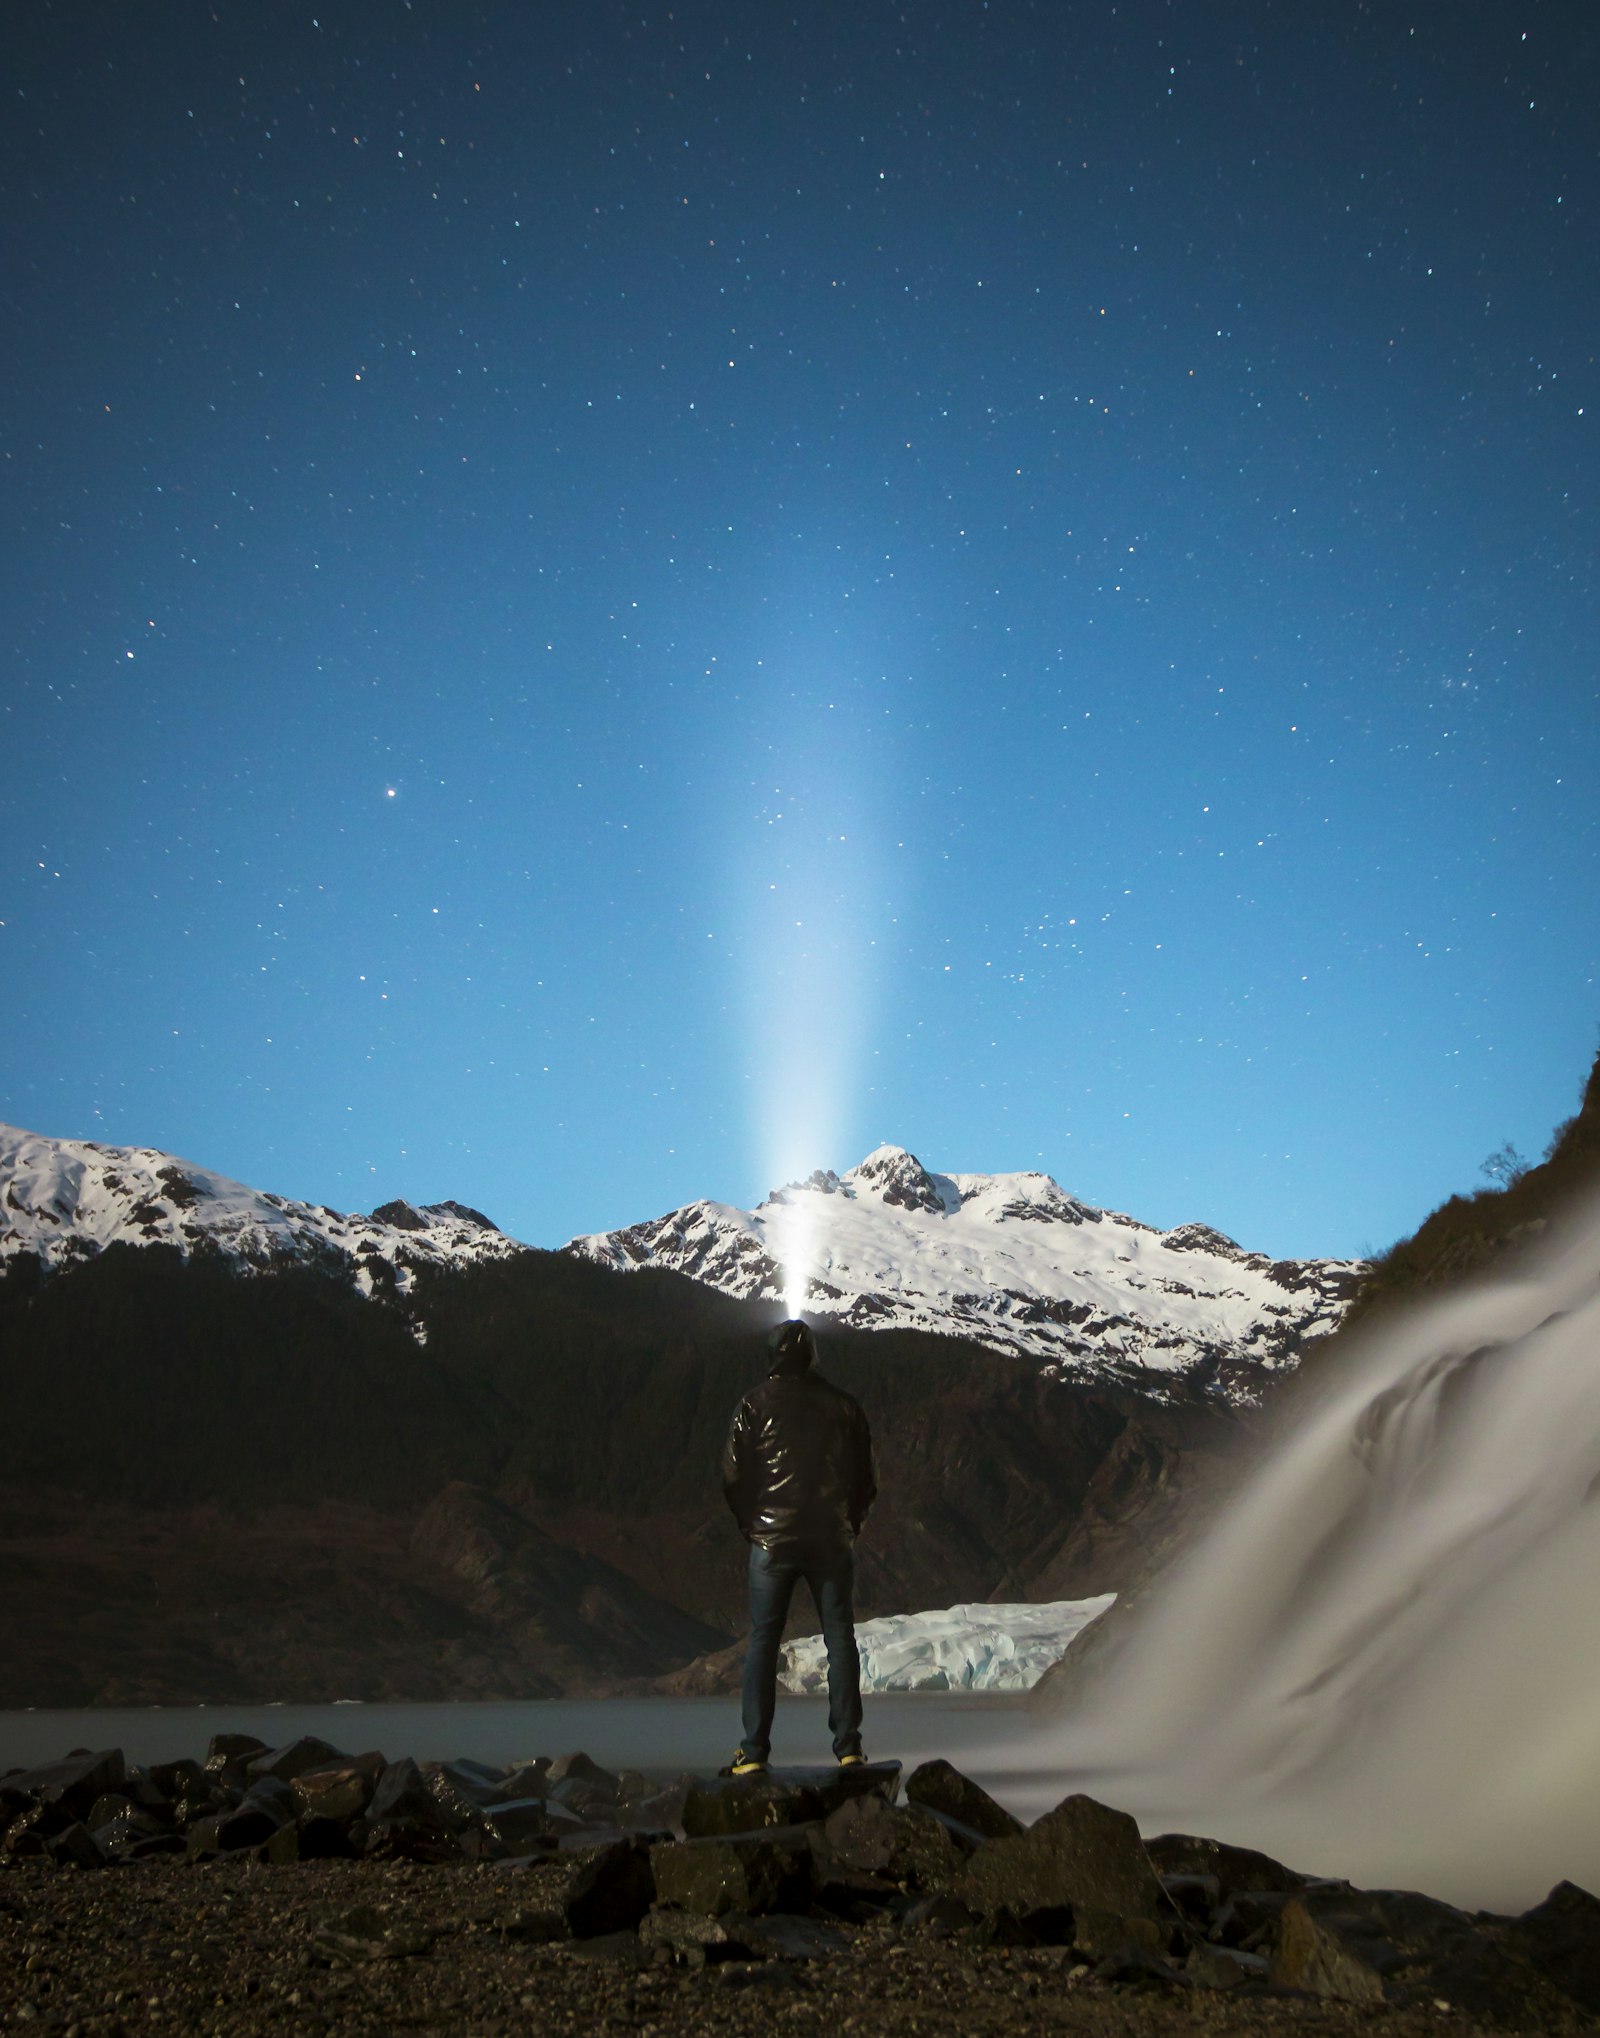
{"type": "Point", "coordinates": [899, 1179]}
{"type": "Point", "coordinates": [1010, 1261]}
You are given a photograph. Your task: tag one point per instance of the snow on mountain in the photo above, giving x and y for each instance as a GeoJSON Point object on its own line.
{"type": "Point", "coordinates": [68, 1199]}
{"type": "Point", "coordinates": [963, 1648]}
{"type": "Point", "coordinates": [1010, 1261]}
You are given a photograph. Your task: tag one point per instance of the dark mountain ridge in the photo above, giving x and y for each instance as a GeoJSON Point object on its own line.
{"type": "Point", "coordinates": [144, 1391]}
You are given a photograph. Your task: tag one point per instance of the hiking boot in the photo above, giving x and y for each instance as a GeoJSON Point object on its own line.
{"type": "Point", "coordinates": [850, 1758]}
{"type": "Point", "coordinates": [746, 1765]}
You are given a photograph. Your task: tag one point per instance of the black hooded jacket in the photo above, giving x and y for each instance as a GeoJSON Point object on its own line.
{"type": "Point", "coordinates": [797, 1466]}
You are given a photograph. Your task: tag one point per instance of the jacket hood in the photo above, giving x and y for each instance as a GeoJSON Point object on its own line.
{"type": "Point", "coordinates": [793, 1347]}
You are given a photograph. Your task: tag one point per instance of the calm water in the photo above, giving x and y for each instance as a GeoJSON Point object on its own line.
{"type": "Point", "coordinates": [653, 1734]}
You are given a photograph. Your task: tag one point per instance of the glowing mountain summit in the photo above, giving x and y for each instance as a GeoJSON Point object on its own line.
{"type": "Point", "coordinates": [1011, 1261]}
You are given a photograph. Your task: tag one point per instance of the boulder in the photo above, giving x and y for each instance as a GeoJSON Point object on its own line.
{"type": "Point", "coordinates": [340, 1792]}
{"type": "Point", "coordinates": [247, 1825]}
{"type": "Point", "coordinates": [940, 1787]}
{"type": "Point", "coordinates": [118, 1833]}
{"type": "Point", "coordinates": [201, 1842]}
{"type": "Point", "coordinates": [401, 1792]}
{"type": "Point", "coordinates": [1560, 1938]}
{"type": "Point", "coordinates": [611, 1891]}
{"type": "Point", "coordinates": [271, 1794]}
{"type": "Point", "coordinates": [173, 1782]}
{"type": "Point", "coordinates": [582, 1798]}
{"type": "Point", "coordinates": [473, 1782]}
{"type": "Point", "coordinates": [281, 1848]}
{"type": "Point", "coordinates": [1196, 1898]}
{"type": "Point", "coordinates": [750, 1872]}
{"type": "Point", "coordinates": [458, 1808]}
{"type": "Point", "coordinates": [74, 1847]}
{"type": "Point", "coordinates": [1409, 1950]}
{"type": "Point", "coordinates": [1320, 1959]}
{"type": "Point", "coordinates": [525, 1779]}
{"type": "Point", "coordinates": [1234, 1868]}
{"type": "Point", "coordinates": [939, 1916]}
{"type": "Point", "coordinates": [229, 1750]}
{"type": "Point", "coordinates": [520, 1825]}
{"type": "Point", "coordinates": [581, 1768]}
{"type": "Point", "coordinates": [323, 1839]}
{"type": "Point", "coordinates": [29, 1834]}
{"type": "Point", "coordinates": [1248, 1920]}
{"type": "Point", "coordinates": [404, 1822]}
{"type": "Point", "coordinates": [294, 1760]}
{"type": "Point", "coordinates": [1081, 1870]}
{"type": "Point", "coordinates": [906, 1845]}
{"type": "Point", "coordinates": [73, 1784]}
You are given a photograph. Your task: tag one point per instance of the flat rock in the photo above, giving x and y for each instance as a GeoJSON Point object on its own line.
{"type": "Point", "coordinates": [781, 1797]}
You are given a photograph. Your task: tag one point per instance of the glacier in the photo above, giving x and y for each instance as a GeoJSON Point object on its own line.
{"type": "Point", "coordinates": [977, 1647]}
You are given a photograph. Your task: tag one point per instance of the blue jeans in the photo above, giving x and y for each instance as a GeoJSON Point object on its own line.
{"type": "Point", "coordinates": [831, 1576]}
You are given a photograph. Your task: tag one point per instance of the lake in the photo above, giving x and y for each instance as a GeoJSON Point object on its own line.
{"type": "Point", "coordinates": [982, 1733]}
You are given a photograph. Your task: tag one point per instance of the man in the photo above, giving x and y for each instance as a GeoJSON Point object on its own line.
{"type": "Point", "coordinates": [797, 1470]}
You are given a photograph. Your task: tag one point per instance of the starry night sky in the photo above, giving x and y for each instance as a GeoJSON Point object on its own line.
{"type": "Point", "coordinates": [602, 604]}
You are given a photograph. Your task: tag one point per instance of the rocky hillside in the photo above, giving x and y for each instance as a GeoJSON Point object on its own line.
{"type": "Point", "coordinates": [1011, 1262]}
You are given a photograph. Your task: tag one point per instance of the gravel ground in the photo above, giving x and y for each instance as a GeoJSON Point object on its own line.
{"type": "Point", "coordinates": [236, 1947]}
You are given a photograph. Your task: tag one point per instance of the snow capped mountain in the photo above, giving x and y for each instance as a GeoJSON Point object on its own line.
{"type": "Point", "coordinates": [1010, 1261]}
{"type": "Point", "coordinates": [68, 1199]}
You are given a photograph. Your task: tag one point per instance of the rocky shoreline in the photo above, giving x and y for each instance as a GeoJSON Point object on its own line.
{"type": "Point", "coordinates": [301, 1888]}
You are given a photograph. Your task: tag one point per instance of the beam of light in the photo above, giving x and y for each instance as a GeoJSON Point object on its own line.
{"type": "Point", "coordinates": [1382, 1661]}
{"type": "Point", "coordinates": [813, 918]}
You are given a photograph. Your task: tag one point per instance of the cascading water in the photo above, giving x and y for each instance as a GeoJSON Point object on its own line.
{"type": "Point", "coordinates": [1383, 1662]}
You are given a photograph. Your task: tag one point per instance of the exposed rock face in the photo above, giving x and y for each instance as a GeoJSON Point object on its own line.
{"type": "Point", "coordinates": [576, 1614]}
{"type": "Point", "coordinates": [1012, 1262]}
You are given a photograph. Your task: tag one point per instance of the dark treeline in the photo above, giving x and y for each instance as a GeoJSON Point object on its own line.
{"type": "Point", "coordinates": [1471, 1234]}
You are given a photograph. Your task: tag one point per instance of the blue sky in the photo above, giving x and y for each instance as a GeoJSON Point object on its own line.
{"type": "Point", "coordinates": [602, 605]}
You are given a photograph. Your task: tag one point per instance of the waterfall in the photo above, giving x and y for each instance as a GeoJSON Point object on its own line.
{"type": "Point", "coordinates": [1383, 1660]}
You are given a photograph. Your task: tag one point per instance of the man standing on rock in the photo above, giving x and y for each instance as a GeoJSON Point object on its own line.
{"type": "Point", "coordinates": [797, 1470]}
